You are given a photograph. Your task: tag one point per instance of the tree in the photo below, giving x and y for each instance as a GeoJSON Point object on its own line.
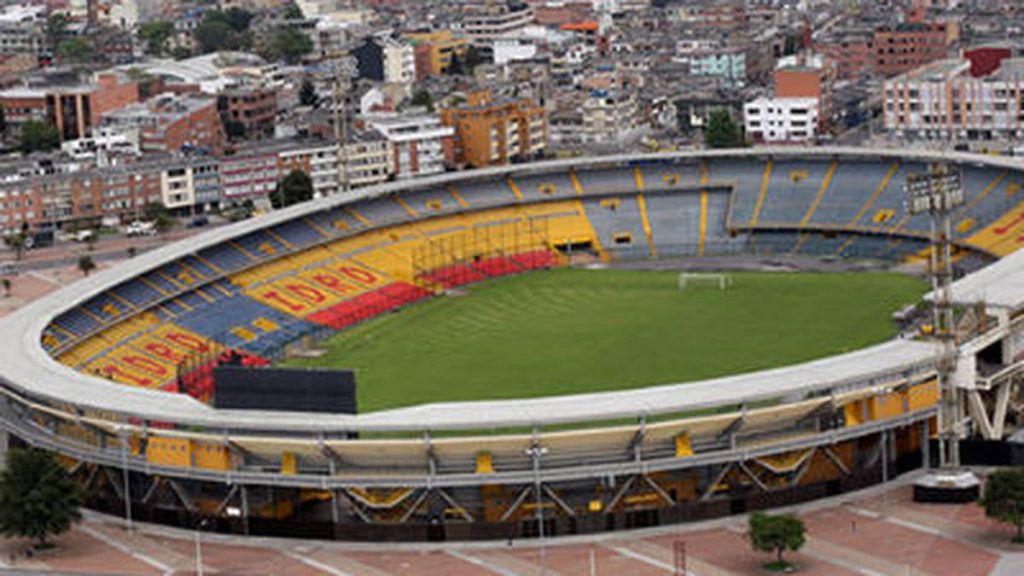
{"type": "Point", "coordinates": [75, 51]}
{"type": "Point", "coordinates": [296, 187]}
{"type": "Point", "coordinates": [7, 287]}
{"type": "Point", "coordinates": [228, 30]}
{"type": "Point", "coordinates": [17, 242]}
{"type": "Point", "coordinates": [776, 533]}
{"type": "Point", "coordinates": [153, 210]}
{"type": "Point", "coordinates": [473, 58]}
{"type": "Point", "coordinates": [307, 93]}
{"type": "Point", "coordinates": [293, 12]}
{"type": "Point", "coordinates": [455, 67]}
{"type": "Point", "coordinates": [158, 214]}
{"type": "Point", "coordinates": [238, 18]}
{"type": "Point", "coordinates": [56, 28]}
{"type": "Point", "coordinates": [38, 498]}
{"type": "Point", "coordinates": [422, 98]}
{"type": "Point", "coordinates": [155, 35]}
{"type": "Point", "coordinates": [86, 264]}
{"type": "Point", "coordinates": [722, 131]}
{"type": "Point", "coordinates": [1004, 499]}
{"type": "Point", "coordinates": [234, 129]}
{"type": "Point", "coordinates": [38, 136]}
{"type": "Point", "coordinates": [288, 44]}
{"type": "Point", "coordinates": [163, 224]}
{"type": "Point", "coordinates": [3, 121]}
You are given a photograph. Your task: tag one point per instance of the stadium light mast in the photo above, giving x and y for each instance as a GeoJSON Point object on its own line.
{"type": "Point", "coordinates": [937, 193]}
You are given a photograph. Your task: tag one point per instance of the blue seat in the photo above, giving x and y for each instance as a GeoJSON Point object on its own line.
{"type": "Point", "coordinates": [220, 323]}
{"type": "Point", "coordinates": [299, 233]}
{"type": "Point", "coordinates": [138, 293]}
{"type": "Point", "coordinates": [226, 257]}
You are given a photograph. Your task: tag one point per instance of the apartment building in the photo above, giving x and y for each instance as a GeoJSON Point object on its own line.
{"type": "Point", "coordinates": [74, 108]}
{"type": "Point", "coordinates": [419, 144]}
{"type": "Point", "coordinates": [944, 101]}
{"type": "Point", "coordinates": [490, 132]}
{"type": "Point", "coordinates": [609, 116]}
{"type": "Point", "coordinates": [485, 21]}
{"type": "Point", "coordinates": [909, 45]}
{"type": "Point", "coordinates": [433, 51]}
{"type": "Point", "coordinates": [781, 120]}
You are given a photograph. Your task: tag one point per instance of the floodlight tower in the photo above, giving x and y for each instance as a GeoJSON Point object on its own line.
{"type": "Point", "coordinates": [937, 193]}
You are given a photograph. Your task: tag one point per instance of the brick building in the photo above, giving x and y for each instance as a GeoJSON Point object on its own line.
{"type": "Point", "coordinates": [252, 108]}
{"type": "Point", "coordinates": [73, 109]}
{"type": "Point", "coordinates": [171, 123]}
{"type": "Point", "coordinates": [909, 45]}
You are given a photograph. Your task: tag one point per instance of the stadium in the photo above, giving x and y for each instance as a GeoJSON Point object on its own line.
{"type": "Point", "coordinates": [119, 373]}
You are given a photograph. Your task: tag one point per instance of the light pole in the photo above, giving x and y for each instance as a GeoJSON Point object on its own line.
{"type": "Point", "coordinates": [199, 547]}
{"type": "Point", "coordinates": [937, 193]}
{"type": "Point", "coordinates": [535, 452]}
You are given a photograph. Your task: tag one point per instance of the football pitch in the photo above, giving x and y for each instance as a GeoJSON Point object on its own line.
{"type": "Point", "coordinates": [572, 330]}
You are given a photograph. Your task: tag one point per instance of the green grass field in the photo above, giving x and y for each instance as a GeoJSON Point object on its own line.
{"type": "Point", "coordinates": [567, 331]}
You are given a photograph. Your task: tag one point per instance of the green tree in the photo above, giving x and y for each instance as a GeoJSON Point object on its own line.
{"type": "Point", "coordinates": [155, 35]}
{"type": "Point", "coordinates": [776, 533]}
{"type": "Point", "coordinates": [86, 264]}
{"type": "Point", "coordinates": [17, 242]}
{"type": "Point", "coordinates": [296, 187]}
{"type": "Point", "coordinates": [455, 67]}
{"type": "Point", "coordinates": [75, 51]}
{"type": "Point", "coordinates": [472, 59]}
{"type": "Point", "coordinates": [422, 98]}
{"type": "Point", "coordinates": [38, 498]}
{"type": "Point", "coordinates": [288, 44]}
{"type": "Point", "coordinates": [307, 93]}
{"type": "Point", "coordinates": [163, 223]}
{"type": "Point", "coordinates": [158, 214]}
{"type": "Point", "coordinates": [238, 18]}
{"type": "Point", "coordinates": [293, 12]}
{"type": "Point", "coordinates": [38, 136]}
{"type": "Point", "coordinates": [7, 287]}
{"type": "Point", "coordinates": [56, 29]}
{"type": "Point", "coordinates": [234, 129]}
{"type": "Point", "coordinates": [722, 131]}
{"type": "Point", "coordinates": [153, 210]}
{"type": "Point", "coordinates": [228, 30]}
{"type": "Point", "coordinates": [1003, 499]}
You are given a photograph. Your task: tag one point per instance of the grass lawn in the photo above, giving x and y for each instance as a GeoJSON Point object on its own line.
{"type": "Point", "coordinates": [566, 331]}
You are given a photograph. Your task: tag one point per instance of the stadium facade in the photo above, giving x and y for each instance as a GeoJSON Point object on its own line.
{"type": "Point", "coordinates": [115, 372]}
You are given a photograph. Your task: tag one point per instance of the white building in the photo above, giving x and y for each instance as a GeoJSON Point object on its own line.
{"type": "Point", "coordinates": [399, 62]}
{"type": "Point", "coordinates": [507, 50]}
{"type": "Point", "coordinates": [417, 141]}
{"type": "Point", "coordinates": [781, 120]}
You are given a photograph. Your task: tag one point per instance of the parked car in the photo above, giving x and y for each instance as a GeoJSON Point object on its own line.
{"type": "Point", "coordinates": [199, 222]}
{"type": "Point", "coordinates": [138, 228]}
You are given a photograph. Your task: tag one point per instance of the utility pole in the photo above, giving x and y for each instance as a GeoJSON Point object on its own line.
{"type": "Point", "coordinates": [937, 193]}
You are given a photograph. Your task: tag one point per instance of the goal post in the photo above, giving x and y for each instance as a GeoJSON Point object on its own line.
{"type": "Point", "coordinates": [722, 281]}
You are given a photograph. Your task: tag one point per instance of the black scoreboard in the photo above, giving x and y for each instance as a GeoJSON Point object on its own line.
{"type": "Point", "coordinates": [284, 389]}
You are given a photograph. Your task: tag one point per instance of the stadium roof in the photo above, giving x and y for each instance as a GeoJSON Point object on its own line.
{"type": "Point", "coordinates": [1000, 284]}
